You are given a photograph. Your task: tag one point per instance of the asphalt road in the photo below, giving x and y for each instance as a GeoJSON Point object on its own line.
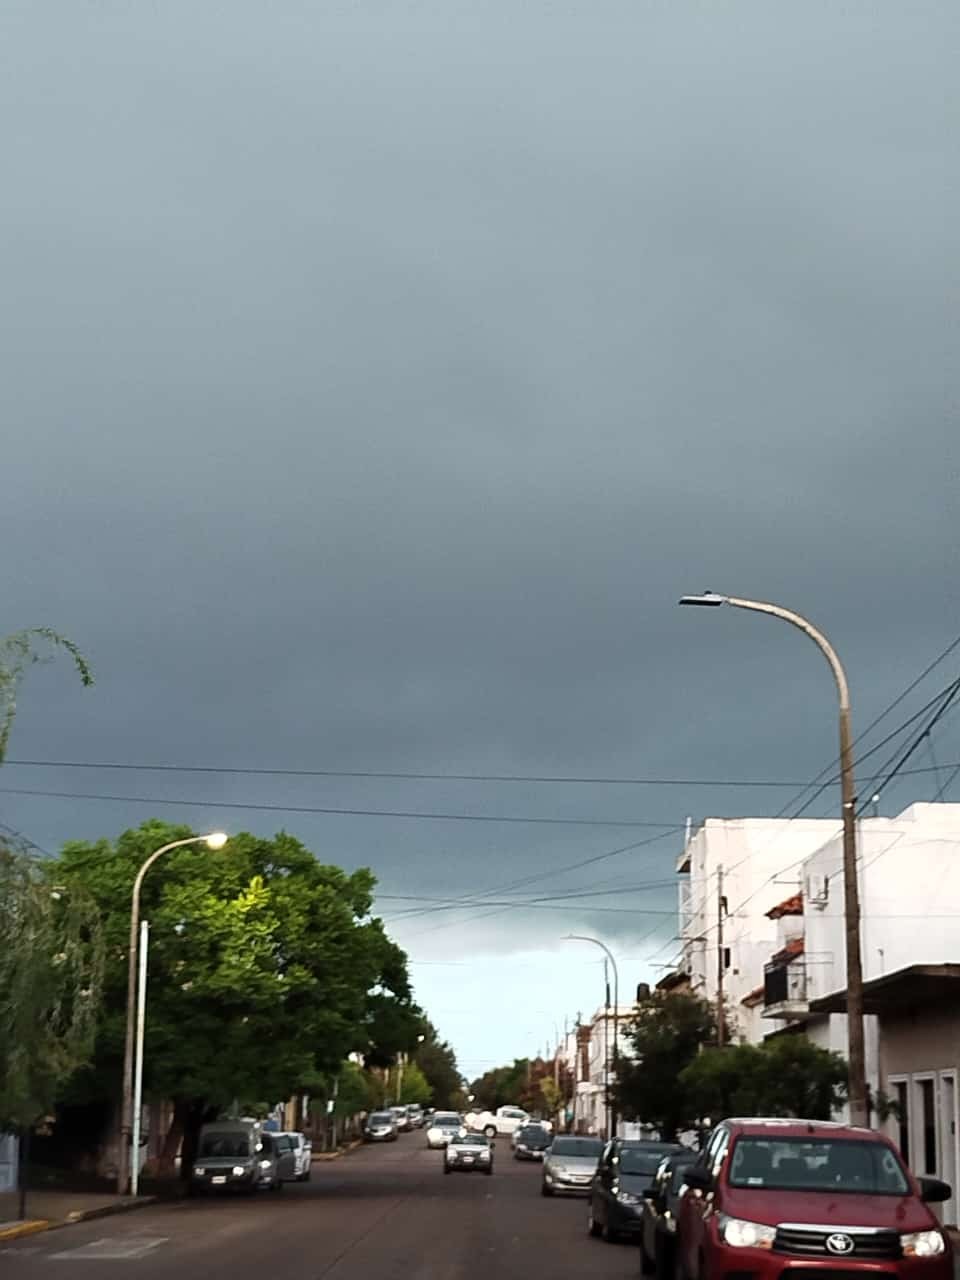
{"type": "Point", "coordinates": [381, 1213]}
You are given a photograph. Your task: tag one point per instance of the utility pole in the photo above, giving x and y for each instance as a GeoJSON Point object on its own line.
{"type": "Point", "coordinates": [721, 911]}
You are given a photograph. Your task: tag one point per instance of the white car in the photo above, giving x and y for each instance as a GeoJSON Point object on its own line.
{"type": "Point", "coordinates": [505, 1120]}
{"type": "Point", "coordinates": [302, 1152]}
{"type": "Point", "coordinates": [443, 1128]}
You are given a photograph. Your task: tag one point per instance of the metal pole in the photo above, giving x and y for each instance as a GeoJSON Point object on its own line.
{"type": "Point", "coordinates": [138, 1067]}
{"type": "Point", "coordinates": [126, 1105]}
{"type": "Point", "coordinates": [579, 937]}
{"type": "Point", "coordinates": [856, 1061]}
{"type": "Point", "coordinates": [721, 1020]}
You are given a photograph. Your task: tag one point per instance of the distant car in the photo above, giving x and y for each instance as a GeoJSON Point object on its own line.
{"type": "Point", "coordinates": [380, 1126]}
{"type": "Point", "coordinates": [444, 1126]}
{"type": "Point", "coordinates": [415, 1115]}
{"type": "Point", "coordinates": [624, 1175]}
{"type": "Point", "coordinates": [303, 1154]}
{"type": "Point", "coordinates": [505, 1120]}
{"type": "Point", "coordinates": [544, 1125]}
{"type": "Point", "coordinates": [659, 1214]}
{"type": "Point", "coordinates": [402, 1119]}
{"type": "Point", "coordinates": [531, 1142]}
{"type": "Point", "coordinates": [569, 1165]}
{"type": "Point", "coordinates": [469, 1152]}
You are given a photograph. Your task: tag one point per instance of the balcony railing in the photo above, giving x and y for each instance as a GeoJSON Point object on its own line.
{"type": "Point", "coordinates": [785, 989]}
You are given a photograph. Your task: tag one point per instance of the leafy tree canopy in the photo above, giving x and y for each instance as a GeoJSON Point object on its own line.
{"type": "Point", "coordinates": [786, 1076]}
{"type": "Point", "coordinates": [666, 1034]}
{"type": "Point", "coordinates": [438, 1062]}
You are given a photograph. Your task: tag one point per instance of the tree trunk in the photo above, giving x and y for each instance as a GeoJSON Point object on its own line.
{"type": "Point", "coordinates": [166, 1167]}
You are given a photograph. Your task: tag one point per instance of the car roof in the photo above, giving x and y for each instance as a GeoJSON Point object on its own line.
{"type": "Point", "coordinates": [792, 1127]}
{"type": "Point", "coordinates": [641, 1144]}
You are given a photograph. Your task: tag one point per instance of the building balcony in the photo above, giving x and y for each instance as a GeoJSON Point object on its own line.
{"type": "Point", "coordinates": [785, 989]}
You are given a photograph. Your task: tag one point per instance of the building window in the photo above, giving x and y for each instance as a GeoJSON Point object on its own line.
{"type": "Point", "coordinates": [903, 1118]}
{"type": "Point", "coordinates": [726, 957]}
{"type": "Point", "coordinates": [928, 1118]}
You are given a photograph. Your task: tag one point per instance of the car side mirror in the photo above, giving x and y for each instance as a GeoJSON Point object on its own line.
{"type": "Point", "coordinates": [697, 1177]}
{"type": "Point", "coordinates": [934, 1190]}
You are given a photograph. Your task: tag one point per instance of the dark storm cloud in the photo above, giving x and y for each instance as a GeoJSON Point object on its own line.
{"type": "Point", "coordinates": [376, 377]}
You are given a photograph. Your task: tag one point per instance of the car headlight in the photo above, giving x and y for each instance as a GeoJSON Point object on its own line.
{"type": "Point", "coordinates": [626, 1197]}
{"type": "Point", "coordinates": [484, 1155]}
{"type": "Point", "coordinates": [922, 1244]}
{"type": "Point", "coordinates": [264, 1164]}
{"type": "Point", "coordinates": [238, 1170]}
{"type": "Point", "coordinates": [746, 1235]}
{"type": "Point", "coordinates": [198, 1171]}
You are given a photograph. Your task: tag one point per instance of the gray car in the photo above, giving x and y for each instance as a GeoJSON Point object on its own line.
{"type": "Point", "coordinates": [570, 1164]}
{"type": "Point", "coordinates": [236, 1155]}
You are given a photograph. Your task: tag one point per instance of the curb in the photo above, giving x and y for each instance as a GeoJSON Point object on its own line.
{"type": "Point", "coordinates": [337, 1155]}
{"type": "Point", "coordinates": [33, 1226]}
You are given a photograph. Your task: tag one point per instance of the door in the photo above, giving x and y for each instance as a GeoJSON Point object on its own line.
{"type": "Point", "coordinates": [602, 1182]}
{"type": "Point", "coordinates": [949, 1161]}
{"type": "Point", "coordinates": [696, 1206]}
{"type": "Point", "coordinates": [286, 1159]}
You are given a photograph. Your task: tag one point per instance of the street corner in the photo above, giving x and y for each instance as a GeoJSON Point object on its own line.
{"type": "Point", "coordinates": [107, 1210]}
{"type": "Point", "coordinates": [29, 1227]}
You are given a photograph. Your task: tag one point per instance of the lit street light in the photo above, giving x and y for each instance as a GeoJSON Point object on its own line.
{"type": "Point", "coordinates": [128, 1156]}
{"type": "Point", "coordinates": [610, 1104]}
{"type": "Point", "coordinates": [857, 1082]}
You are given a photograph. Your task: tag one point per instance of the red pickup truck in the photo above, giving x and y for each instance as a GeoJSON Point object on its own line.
{"type": "Point", "coordinates": [807, 1200]}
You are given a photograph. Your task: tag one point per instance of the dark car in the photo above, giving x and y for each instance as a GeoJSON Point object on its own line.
{"type": "Point", "coordinates": [380, 1126]}
{"type": "Point", "coordinates": [624, 1175]}
{"type": "Point", "coordinates": [808, 1200]}
{"type": "Point", "coordinates": [659, 1213]}
{"type": "Point", "coordinates": [236, 1155]}
{"type": "Point", "coordinates": [532, 1141]}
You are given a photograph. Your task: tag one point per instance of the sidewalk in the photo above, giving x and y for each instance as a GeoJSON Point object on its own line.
{"type": "Point", "coordinates": [49, 1209]}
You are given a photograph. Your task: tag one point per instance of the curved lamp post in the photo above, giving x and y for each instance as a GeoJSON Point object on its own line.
{"type": "Point", "coordinates": [611, 1105]}
{"type": "Point", "coordinates": [856, 1065]}
{"type": "Point", "coordinates": [213, 840]}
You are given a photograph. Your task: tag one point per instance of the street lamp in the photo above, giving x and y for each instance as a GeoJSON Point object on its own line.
{"type": "Point", "coordinates": [213, 840]}
{"type": "Point", "coordinates": [856, 1066]}
{"type": "Point", "coordinates": [611, 1106]}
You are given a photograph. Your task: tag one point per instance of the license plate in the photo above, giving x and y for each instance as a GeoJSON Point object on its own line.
{"type": "Point", "coordinates": [219, 1180]}
{"type": "Point", "coordinates": [468, 1159]}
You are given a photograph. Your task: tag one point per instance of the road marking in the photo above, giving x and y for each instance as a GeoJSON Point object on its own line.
{"type": "Point", "coordinates": [104, 1249]}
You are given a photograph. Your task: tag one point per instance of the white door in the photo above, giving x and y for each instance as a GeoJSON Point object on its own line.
{"type": "Point", "coordinates": [949, 1161]}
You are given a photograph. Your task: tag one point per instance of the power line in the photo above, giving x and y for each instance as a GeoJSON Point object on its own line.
{"type": "Point", "coordinates": [363, 813]}
{"type": "Point", "coordinates": [564, 779]}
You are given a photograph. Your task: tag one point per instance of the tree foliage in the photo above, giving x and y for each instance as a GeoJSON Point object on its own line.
{"type": "Point", "coordinates": [666, 1034]}
{"type": "Point", "coordinates": [786, 1076]}
{"type": "Point", "coordinates": [51, 970]}
{"type": "Point", "coordinates": [265, 967]}
{"type": "Point", "coordinates": [518, 1084]}
{"type": "Point", "coordinates": [18, 652]}
{"type": "Point", "coordinates": [414, 1086]}
{"type": "Point", "coordinates": [438, 1062]}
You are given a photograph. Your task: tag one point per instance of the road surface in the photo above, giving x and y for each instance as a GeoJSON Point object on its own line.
{"type": "Point", "coordinates": [381, 1213]}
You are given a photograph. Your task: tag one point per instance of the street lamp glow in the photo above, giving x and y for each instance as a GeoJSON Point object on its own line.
{"type": "Point", "coordinates": [216, 839]}
{"type": "Point", "coordinates": [709, 599]}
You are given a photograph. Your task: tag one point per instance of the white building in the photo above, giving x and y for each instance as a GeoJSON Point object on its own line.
{"type": "Point", "coordinates": [757, 860]}
{"type": "Point", "coordinates": [587, 1053]}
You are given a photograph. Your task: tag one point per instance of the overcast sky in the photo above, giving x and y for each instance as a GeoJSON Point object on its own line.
{"type": "Point", "coordinates": [376, 375]}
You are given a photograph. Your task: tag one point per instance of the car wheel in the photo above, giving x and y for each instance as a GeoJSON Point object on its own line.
{"type": "Point", "coordinates": [488, 1172]}
{"type": "Point", "coordinates": [662, 1256]}
{"type": "Point", "coordinates": [593, 1226]}
{"type": "Point", "coordinates": [545, 1190]}
{"type": "Point", "coordinates": [490, 1130]}
{"type": "Point", "coordinates": [446, 1168]}
{"type": "Point", "coordinates": [647, 1264]}
{"type": "Point", "coordinates": [610, 1234]}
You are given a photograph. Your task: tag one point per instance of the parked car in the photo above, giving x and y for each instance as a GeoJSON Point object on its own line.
{"type": "Point", "coordinates": [531, 1142]}
{"type": "Point", "coordinates": [569, 1165]}
{"type": "Point", "coordinates": [402, 1119]}
{"type": "Point", "coordinates": [380, 1126]}
{"type": "Point", "coordinates": [545, 1125]}
{"type": "Point", "coordinates": [237, 1155]}
{"type": "Point", "coordinates": [415, 1115]}
{"type": "Point", "coordinates": [468, 1152]}
{"type": "Point", "coordinates": [774, 1198]}
{"type": "Point", "coordinates": [659, 1213]}
{"type": "Point", "coordinates": [444, 1126]}
{"type": "Point", "coordinates": [505, 1120]}
{"type": "Point", "coordinates": [302, 1149]}
{"type": "Point", "coordinates": [624, 1175]}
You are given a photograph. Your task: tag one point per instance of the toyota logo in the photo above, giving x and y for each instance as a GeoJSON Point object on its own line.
{"type": "Point", "coordinates": [839, 1243]}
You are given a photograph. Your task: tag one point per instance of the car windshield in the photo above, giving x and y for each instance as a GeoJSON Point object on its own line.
{"type": "Point", "coordinates": [472, 1140]}
{"type": "Point", "coordinates": [446, 1120]}
{"type": "Point", "coordinates": [534, 1137]}
{"type": "Point", "coordinates": [577, 1147]}
{"type": "Point", "coordinates": [825, 1164]}
{"type": "Point", "coordinates": [224, 1144]}
{"type": "Point", "coordinates": [382, 1117]}
{"type": "Point", "coordinates": [636, 1160]}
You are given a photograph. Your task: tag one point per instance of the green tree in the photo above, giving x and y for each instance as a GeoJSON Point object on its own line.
{"type": "Point", "coordinates": [786, 1076]}
{"type": "Point", "coordinates": [265, 968]}
{"type": "Point", "coordinates": [552, 1096]}
{"type": "Point", "coordinates": [666, 1033]}
{"type": "Point", "coordinates": [18, 652]}
{"type": "Point", "coordinates": [414, 1086]}
{"type": "Point", "coordinates": [51, 970]}
{"type": "Point", "coordinates": [438, 1062]}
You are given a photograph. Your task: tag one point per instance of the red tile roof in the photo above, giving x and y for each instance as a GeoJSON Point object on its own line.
{"type": "Point", "coordinates": [793, 949]}
{"type": "Point", "coordinates": [792, 906]}
{"type": "Point", "coordinates": [753, 997]}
